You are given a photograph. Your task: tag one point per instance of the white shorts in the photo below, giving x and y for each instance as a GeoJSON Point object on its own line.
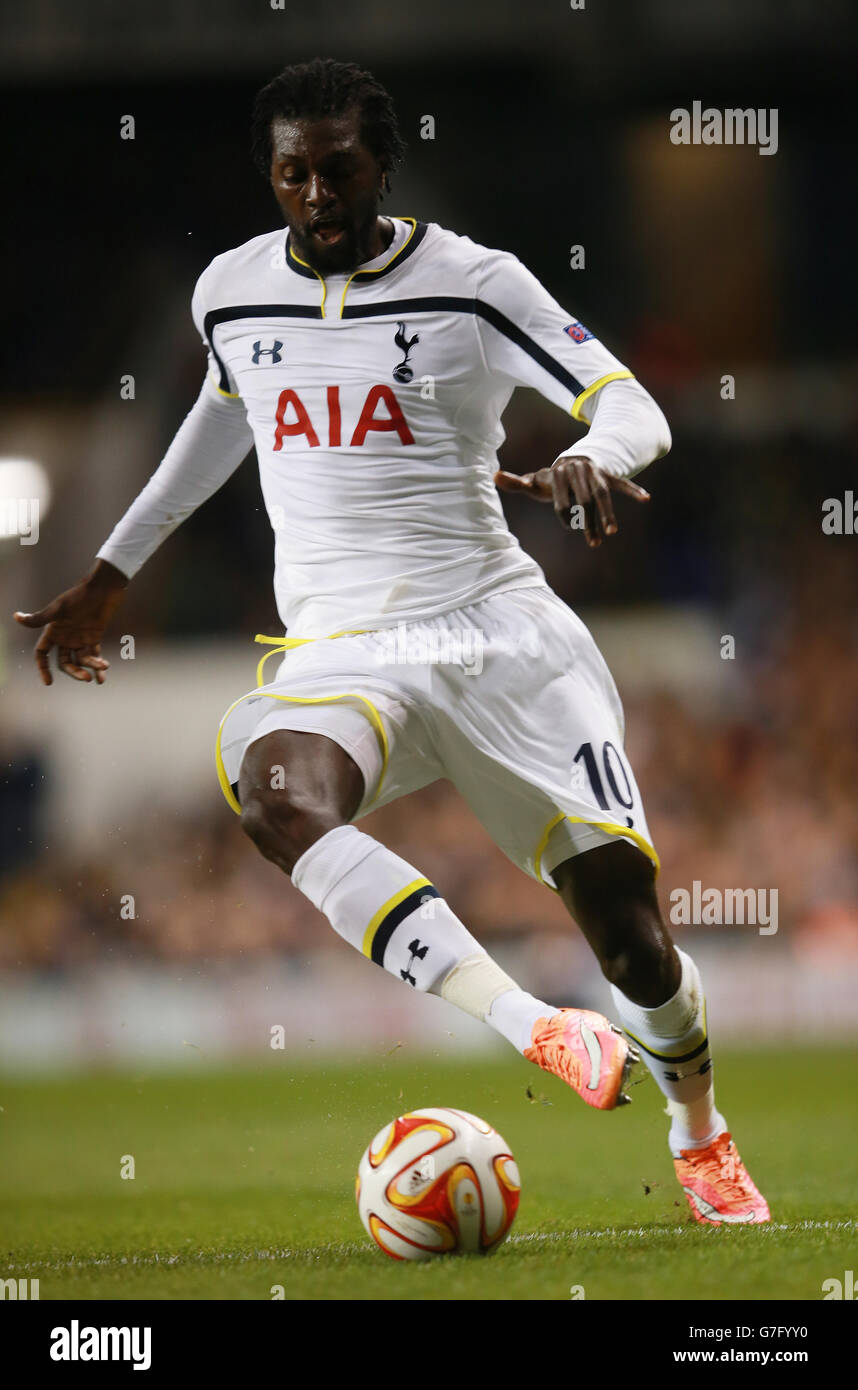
{"type": "Point", "coordinates": [509, 698]}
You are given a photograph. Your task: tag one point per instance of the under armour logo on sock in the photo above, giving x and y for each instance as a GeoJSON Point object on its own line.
{"type": "Point", "coordinates": [683, 1075]}
{"type": "Point", "coordinates": [418, 952]}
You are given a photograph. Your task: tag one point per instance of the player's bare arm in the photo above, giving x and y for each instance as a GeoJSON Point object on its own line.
{"type": "Point", "coordinates": [574, 480]}
{"type": "Point", "coordinates": [74, 622]}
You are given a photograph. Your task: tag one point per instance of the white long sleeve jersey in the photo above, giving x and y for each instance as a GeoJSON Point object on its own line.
{"type": "Point", "coordinates": [374, 401]}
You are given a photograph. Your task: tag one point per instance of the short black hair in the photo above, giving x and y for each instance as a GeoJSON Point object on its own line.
{"type": "Point", "coordinates": [324, 87]}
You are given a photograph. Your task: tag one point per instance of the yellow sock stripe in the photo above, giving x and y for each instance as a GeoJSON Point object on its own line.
{"type": "Point", "coordinates": [607, 826]}
{"type": "Point", "coordinates": [383, 912]}
{"type": "Point", "coordinates": [597, 386]}
{"type": "Point", "coordinates": [371, 712]}
{"type": "Point", "coordinates": [668, 1056]}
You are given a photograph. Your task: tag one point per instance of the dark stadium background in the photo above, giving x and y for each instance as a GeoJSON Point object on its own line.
{"type": "Point", "coordinates": [551, 130]}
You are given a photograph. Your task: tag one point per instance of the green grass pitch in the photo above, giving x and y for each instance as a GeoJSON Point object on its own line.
{"type": "Point", "coordinates": [244, 1181]}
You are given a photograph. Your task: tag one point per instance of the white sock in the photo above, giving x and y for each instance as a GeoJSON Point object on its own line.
{"type": "Point", "coordinates": [383, 907]}
{"type": "Point", "coordinates": [514, 1013]}
{"type": "Point", "coordinates": [675, 1046]}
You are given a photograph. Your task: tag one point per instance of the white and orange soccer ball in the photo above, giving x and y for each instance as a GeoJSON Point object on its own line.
{"type": "Point", "coordinates": [437, 1182]}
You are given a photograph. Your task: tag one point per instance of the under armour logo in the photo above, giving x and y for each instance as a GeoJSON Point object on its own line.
{"type": "Point", "coordinates": [418, 952]}
{"type": "Point", "coordinates": [682, 1075]}
{"type": "Point", "coordinates": [402, 371]}
{"type": "Point", "coordinates": [259, 351]}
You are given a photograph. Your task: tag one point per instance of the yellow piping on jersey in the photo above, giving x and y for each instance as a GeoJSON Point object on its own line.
{"type": "Point", "coordinates": [597, 386]}
{"type": "Point", "coordinates": [607, 826]}
{"type": "Point", "coordinates": [287, 644]}
{"type": "Point", "coordinates": [230, 395]}
{"type": "Point", "coordinates": [391, 259]}
{"type": "Point", "coordinates": [317, 275]}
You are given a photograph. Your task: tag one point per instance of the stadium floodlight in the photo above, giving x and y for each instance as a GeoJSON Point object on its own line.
{"type": "Point", "coordinates": [25, 498]}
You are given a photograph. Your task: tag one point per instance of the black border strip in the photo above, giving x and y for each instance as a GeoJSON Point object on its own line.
{"type": "Point", "coordinates": [387, 926]}
{"type": "Point", "coordinates": [418, 304]}
{"type": "Point", "coordinates": [425, 303]}
{"type": "Point", "coordinates": [686, 1056]}
{"type": "Point", "coordinates": [251, 311]}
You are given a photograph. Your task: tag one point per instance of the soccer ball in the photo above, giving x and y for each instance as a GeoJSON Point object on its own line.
{"type": "Point", "coordinates": [437, 1182]}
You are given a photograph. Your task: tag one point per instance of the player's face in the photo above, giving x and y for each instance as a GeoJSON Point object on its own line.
{"type": "Point", "coordinates": [328, 186]}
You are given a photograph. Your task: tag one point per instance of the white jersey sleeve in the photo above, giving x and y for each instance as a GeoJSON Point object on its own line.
{"type": "Point", "coordinates": [207, 449]}
{"type": "Point", "coordinates": [209, 445]}
{"type": "Point", "coordinates": [628, 430]}
{"type": "Point", "coordinates": [530, 340]}
{"type": "Point", "coordinates": [219, 377]}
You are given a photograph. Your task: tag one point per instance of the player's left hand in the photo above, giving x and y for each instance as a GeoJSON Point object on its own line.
{"type": "Point", "coordinates": [573, 480]}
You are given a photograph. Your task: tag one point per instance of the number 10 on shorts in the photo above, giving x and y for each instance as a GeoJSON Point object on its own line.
{"type": "Point", "coordinates": [586, 763]}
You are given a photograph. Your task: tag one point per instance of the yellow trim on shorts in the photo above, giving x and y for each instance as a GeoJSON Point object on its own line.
{"type": "Point", "coordinates": [286, 644]}
{"type": "Point", "coordinates": [624, 375]}
{"type": "Point", "coordinates": [391, 903]}
{"type": "Point", "coordinates": [372, 715]}
{"type": "Point", "coordinates": [607, 826]}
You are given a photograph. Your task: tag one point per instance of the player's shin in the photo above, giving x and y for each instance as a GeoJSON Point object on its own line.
{"type": "Point", "coordinates": [390, 912]}
{"type": "Point", "coordinates": [674, 1043]}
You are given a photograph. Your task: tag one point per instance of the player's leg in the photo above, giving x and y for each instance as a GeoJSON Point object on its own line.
{"type": "Point", "coordinates": [294, 788]}
{"type": "Point", "coordinates": [298, 792]}
{"type": "Point", "coordinates": [302, 759]}
{"type": "Point", "coordinates": [610, 892]}
{"type": "Point", "coordinates": [536, 749]}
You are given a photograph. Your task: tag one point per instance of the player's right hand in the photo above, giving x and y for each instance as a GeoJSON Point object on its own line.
{"type": "Point", "coordinates": [574, 480]}
{"type": "Point", "coordinates": [74, 623]}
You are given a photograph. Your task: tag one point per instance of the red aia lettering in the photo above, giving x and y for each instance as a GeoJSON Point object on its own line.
{"type": "Point", "coordinates": [392, 422]}
{"type": "Point", "coordinates": [369, 421]}
{"type": "Point", "coordinates": [334, 417]}
{"type": "Point", "coordinates": [302, 424]}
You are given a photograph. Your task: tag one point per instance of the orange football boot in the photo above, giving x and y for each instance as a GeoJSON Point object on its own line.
{"type": "Point", "coordinates": [718, 1186]}
{"type": "Point", "coordinates": [586, 1051]}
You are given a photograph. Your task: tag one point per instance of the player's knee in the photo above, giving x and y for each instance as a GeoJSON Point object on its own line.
{"type": "Point", "coordinates": [644, 970]}
{"type": "Point", "coordinates": [284, 823]}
